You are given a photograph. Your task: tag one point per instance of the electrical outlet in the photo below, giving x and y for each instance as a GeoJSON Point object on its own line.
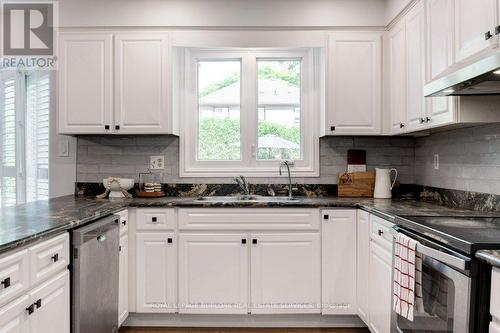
{"type": "Point", "coordinates": [436, 161]}
{"type": "Point", "coordinates": [156, 162]}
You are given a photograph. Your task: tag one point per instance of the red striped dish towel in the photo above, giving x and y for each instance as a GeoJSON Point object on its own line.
{"type": "Point", "coordinates": [407, 277]}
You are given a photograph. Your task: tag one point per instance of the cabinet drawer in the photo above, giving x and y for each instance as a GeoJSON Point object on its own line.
{"type": "Point", "coordinates": [14, 275]}
{"type": "Point", "coordinates": [123, 221]}
{"type": "Point", "coordinates": [249, 219]}
{"type": "Point", "coordinates": [380, 231]}
{"type": "Point", "coordinates": [155, 219]}
{"type": "Point", "coordinates": [48, 258]}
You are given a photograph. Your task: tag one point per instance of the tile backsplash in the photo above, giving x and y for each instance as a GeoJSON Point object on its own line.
{"type": "Point", "coordinates": [469, 159]}
{"type": "Point", "coordinates": [125, 156]}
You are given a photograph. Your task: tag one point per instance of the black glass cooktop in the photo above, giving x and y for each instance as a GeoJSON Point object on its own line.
{"type": "Point", "coordinates": [464, 234]}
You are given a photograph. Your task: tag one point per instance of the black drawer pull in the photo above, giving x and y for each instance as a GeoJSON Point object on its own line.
{"type": "Point", "coordinates": [154, 219]}
{"type": "Point", "coordinates": [488, 35]}
{"type": "Point", "coordinates": [30, 309]}
{"type": "Point", "coordinates": [243, 241]}
{"type": "Point", "coordinates": [254, 241]}
{"type": "Point", "coordinates": [6, 282]}
{"type": "Point", "coordinates": [326, 217]}
{"type": "Point", "coordinates": [169, 240]}
{"type": "Point", "coordinates": [55, 257]}
{"type": "Point", "coordinates": [117, 127]}
{"type": "Point", "coordinates": [124, 223]}
{"type": "Point", "coordinates": [38, 303]}
{"type": "Point", "coordinates": [401, 125]}
{"type": "Point", "coordinates": [380, 232]}
{"type": "Point", "coordinates": [106, 127]}
{"type": "Point", "coordinates": [332, 128]}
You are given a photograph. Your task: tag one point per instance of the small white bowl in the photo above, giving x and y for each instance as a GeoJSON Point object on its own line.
{"type": "Point", "coordinates": [116, 185]}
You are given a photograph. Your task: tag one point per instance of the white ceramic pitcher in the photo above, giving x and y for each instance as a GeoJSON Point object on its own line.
{"type": "Point", "coordinates": [383, 184]}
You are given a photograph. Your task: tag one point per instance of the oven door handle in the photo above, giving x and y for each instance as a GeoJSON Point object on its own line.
{"type": "Point", "coordinates": [449, 259]}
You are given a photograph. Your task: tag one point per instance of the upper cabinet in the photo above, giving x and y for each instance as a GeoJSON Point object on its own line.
{"type": "Point", "coordinates": [141, 83]}
{"type": "Point", "coordinates": [127, 94]}
{"type": "Point", "coordinates": [85, 83]}
{"type": "Point", "coordinates": [354, 93]}
{"type": "Point", "coordinates": [439, 20]}
{"type": "Point", "coordinates": [397, 78]}
{"type": "Point", "coordinates": [475, 23]}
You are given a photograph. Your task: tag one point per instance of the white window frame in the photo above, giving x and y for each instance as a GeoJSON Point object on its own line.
{"type": "Point", "coordinates": [248, 166]}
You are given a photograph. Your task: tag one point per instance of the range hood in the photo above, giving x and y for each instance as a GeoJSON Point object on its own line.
{"type": "Point", "coordinates": [479, 78]}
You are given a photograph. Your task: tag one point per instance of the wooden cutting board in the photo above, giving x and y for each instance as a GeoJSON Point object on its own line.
{"type": "Point", "coordinates": [356, 184]}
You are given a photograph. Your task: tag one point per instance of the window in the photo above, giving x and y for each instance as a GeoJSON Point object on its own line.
{"type": "Point", "coordinates": [24, 131]}
{"type": "Point", "coordinates": [244, 111]}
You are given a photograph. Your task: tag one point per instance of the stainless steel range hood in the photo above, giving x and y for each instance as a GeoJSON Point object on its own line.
{"type": "Point", "coordinates": [479, 78]}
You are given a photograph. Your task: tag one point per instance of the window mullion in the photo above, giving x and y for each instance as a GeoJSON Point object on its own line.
{"type": "Point", "coordinates": [249, 103]}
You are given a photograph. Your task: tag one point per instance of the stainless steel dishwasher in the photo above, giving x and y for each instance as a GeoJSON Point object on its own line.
{"type": "Point", "coordinates": [94, 292]}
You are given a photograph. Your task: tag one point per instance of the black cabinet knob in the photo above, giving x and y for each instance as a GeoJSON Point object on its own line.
{"type": "Point", "coordinates": [427, 119]}
{"type": "Point", "coordinates": [6, 282]}
{"type": "Point", "coordinates": [55, 257]}
{"type": "Point", "coordinates": [106, 127]}
{"type": "Point", "coordinates": [254, 241]}
{"type": "Point", "coordinates": [326, 217]}
{"type": "Point", "coordinates": [422, 120]}
{"type": "Point", "coordinates": [38, 303]}
{"type": "Point", "coordinates": [497, 30]}
{"type": "Point", "coordinates": [154, 219]}
{"type": "Point", "coordinates": [401, 125]}
{"type": "Point", "coordinates": [380, 232]}
{"type": "Point", "coordinates": [243, 241]}
{"type": "Point", "coordinates": [332, 128]}
{"type": "Point", "coordinates": [119, 248]}
{"type": "Point", "coordinates": [169, 240]}
{"type": "Point", "coordinates": [30, 309]}
{"type": "Point", "coordinates": [117, 127]}
{"type": "Point", "coordinates": [487, 35]}
{"type": "Point", "coordinates": [124, 223]}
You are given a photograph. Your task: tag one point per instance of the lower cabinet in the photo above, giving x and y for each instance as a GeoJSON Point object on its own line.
{"type": "Point", "coordinates": [285, 273]}
{"type": "Point", "coordinates": [45, 309]}
{"type": "Point", "coordinates": [123, 280]}
{"type": "Point", "coordinates": [213, 273]}
{"type": "Point", "coordinates": [156, 272]}
{"type": "Point", "coordinates": [363, 265]}
{"type": "Point", "coordinates": [495, 301]}
{"type": "Point", "coordinates": [338, 261]}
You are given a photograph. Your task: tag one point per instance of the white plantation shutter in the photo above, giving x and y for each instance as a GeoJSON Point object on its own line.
{"type": "Point", "coordinates": [24, 137]}
{"type": "Point", "coordinates": [37, 136]}
{"type": "Point", "coordinates": [8, 170]}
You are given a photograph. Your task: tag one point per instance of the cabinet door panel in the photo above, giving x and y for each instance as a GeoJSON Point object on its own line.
{"type": "Point", "coordinates": [397, 77]}
{"type": "Point", "coordinates": [439, 14]}
{"type": "Point", "coordinates": [123, 280]}
{"type": "Point", "coordinates": [380, 289]}
{"type": "Point", "coordinates": [472, 20]}
{"type": "Point", "coordinates": [415, 60]}
{"type": "Point", "coordinates": [213, 273]}
{"type": "Point", "coordinates": [54, 313]}
{"type": "Point", "coordinates": [13, 316]}
{"type": "Point", "coordinates": [363, 262]}
{"type": "Point", "coordinates": [354, 74]}
{"type": "Point", "coordinates": [285, 273]}
{"type": "Point", "coordinates": [141, 83]}
{"type": "Point", "coordinates": [339, 262]}
{"type": "Point", "coordinates": [85, 83]}
{"type": "Point", "coordinates": [156, 272]}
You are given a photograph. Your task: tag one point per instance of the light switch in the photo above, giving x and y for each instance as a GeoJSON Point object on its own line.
{"type": "Point", "coordinates": [63, 148]}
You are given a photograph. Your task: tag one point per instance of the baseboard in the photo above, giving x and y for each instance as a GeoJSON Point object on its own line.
{"type": "Point", "coordinates": [286, 320]}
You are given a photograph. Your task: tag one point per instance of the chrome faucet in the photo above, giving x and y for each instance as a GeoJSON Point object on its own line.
{"type": "Point", "coordinates": [290, 188]}
{"type": "Point", "coordinates": [243, 183]}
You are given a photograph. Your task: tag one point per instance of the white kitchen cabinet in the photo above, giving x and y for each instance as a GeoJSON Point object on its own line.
{"type": "Point", "coordinates": [141, 83]}
{"type": "Point", "coordinates": [213, 273]}
{"type": "Point", "coordinates": [123, 280]}
{"type": "Point", "coordinates": [52, 304]}
{"type": "Point", "coordinates": [415, 67]}
{"type": "Point", "coordinates": [495, 300]}
{"type": "Point", "coordinates": [363, 266]}
{"type": "Point", "coordinates": [354, 84]}
{"type": "Point", "coordinates": [85, 97]}
{"type": "Point", "coordinates": [338, 266]}
{"type": "Point", "coordinates": [380, 289]}
{"type": "Point", "coordinates": [13, 316]}
{"type": "Point", "coordinates": [397, 78]}
{"type": "Point", "coordinates": [156, 273]}
{"type": "Point", "coordinates": [473, 19]}
{"type": "Point", "coordinates": [285, 273]}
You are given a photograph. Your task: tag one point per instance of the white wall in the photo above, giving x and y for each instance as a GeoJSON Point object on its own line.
{"type": "Point", "coordinates": [223, 13]}
{"type": "Point", "coordinates": [62, 170]}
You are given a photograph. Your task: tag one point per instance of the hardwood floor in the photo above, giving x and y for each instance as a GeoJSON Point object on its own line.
{"type": "Point", "coordinates": [241, 330]}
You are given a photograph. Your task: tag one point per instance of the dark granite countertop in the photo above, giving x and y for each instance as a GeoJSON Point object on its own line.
{"type": "Point", "coordinates": [24, 223]}
{"type": "Point", "coordinates": [491, 257]}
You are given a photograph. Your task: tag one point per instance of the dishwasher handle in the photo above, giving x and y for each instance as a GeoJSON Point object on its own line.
{"type": "Point", "coordinates": [96, 230]}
